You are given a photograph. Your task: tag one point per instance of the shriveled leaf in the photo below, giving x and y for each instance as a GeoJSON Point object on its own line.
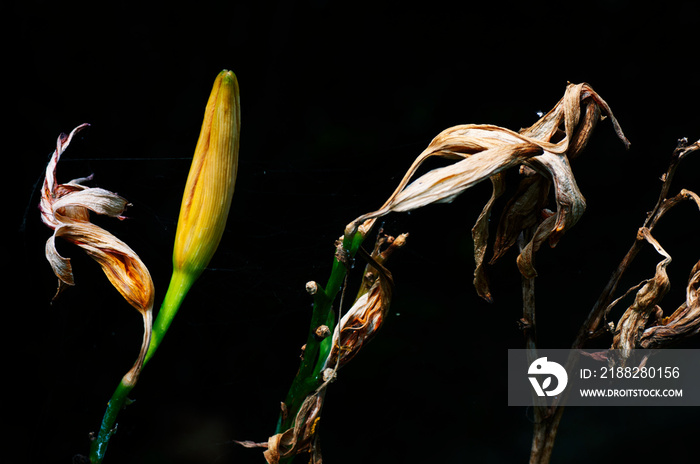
{"type": "Point", "coordinates": [302, 437]}
{"type": "Point", "coordinates": [684, 322]}
{"type": "Point", "coordinates": [631, 326]}
{"type": "Point", "coordinates": [360, 323]}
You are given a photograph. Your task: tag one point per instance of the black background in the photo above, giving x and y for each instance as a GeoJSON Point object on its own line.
{"type": "Point", "coordinates": [337, 99]}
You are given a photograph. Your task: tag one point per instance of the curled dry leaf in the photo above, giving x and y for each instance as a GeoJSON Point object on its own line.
{"type": "Point", "coordinates": [65, 208]}
{"type": "Point", "coordinates": [361, 322]}
{"type": "Point", "coordinates": [631, 325]}
{"type": "Point", "coordinates": [483, 152]}
{"type": "Point", "coordinates": [684, 322]}
{"type": "Point", "coordinates": [303, 436]}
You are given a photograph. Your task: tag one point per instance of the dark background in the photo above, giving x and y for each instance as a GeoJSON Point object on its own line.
{"type": "Point", "coordinates": [337, 99]}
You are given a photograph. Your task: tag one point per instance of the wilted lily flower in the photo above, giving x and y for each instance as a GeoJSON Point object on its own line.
{"type": "Point", "coordinates": [481, 152]}
{"type": "Point", "coordinates": [65, 208]}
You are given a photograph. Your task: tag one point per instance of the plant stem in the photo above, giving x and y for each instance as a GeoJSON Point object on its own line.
{"type": "Point", "coordinates": [591, 327]}
{"type": "Point", "coordinates": [315, 352]}
{"type": "Point", "coordinates": [180, 284]}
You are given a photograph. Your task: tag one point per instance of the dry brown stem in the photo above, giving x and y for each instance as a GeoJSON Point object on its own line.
{"type": "Point", "coordinates": [634, 329]}
{"type": "Point", "coordinates": [591, 327]}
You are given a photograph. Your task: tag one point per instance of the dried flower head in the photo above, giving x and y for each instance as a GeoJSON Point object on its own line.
{"type": "Point", "coordinates": [481, 152]}
{"type": "Point", "coordinates": [65, 208]}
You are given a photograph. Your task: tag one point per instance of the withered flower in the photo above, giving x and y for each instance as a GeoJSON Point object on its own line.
{"type": "Point", "coordinates": [65, 208]}
{"type": "Point", "coordinates": [481, 152]}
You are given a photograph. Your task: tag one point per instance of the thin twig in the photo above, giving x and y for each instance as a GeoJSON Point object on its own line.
{"type": "Point", "coordinates": [590, 327]}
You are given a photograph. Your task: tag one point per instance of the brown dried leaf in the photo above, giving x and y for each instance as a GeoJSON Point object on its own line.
{"type": "Point", "coordinates": [361, 322]}
{"type": "Point", "coordinates": [303, 436]}
{"type": "Point", "coordinates": [684, 322]}
{"type": "Point", "coordinates": [631, 325]}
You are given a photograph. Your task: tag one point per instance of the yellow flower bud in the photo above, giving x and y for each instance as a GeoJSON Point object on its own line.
{"type": "Point", "coordinates": [210, 184]}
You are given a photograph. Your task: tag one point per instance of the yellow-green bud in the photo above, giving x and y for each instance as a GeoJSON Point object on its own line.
{"type": "Point", "coordinates": [212, 177]}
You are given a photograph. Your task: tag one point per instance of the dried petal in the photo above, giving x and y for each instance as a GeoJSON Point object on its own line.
{"type": "Point", "coordinates": [442, 185]}
{"type": "Point", "coordinates": [521, 212]}
{"type": "Point", "coordinates": [570, 207]}
{"type": "Point", "coordinates": [480, 235]}
{"type": "Point", "coordinates": [121, 265]}
{"type": "Point", "coordinates": [484, 151]}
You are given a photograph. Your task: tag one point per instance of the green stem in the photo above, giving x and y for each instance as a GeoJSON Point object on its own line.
{"type": "Point", "coordinates": [180, 283]}
{"type": "Point", "coordinates": [315, 353]}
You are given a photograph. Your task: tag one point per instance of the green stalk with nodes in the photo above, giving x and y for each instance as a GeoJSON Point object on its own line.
{"type": "Point", "coordinates": [309, 376]}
